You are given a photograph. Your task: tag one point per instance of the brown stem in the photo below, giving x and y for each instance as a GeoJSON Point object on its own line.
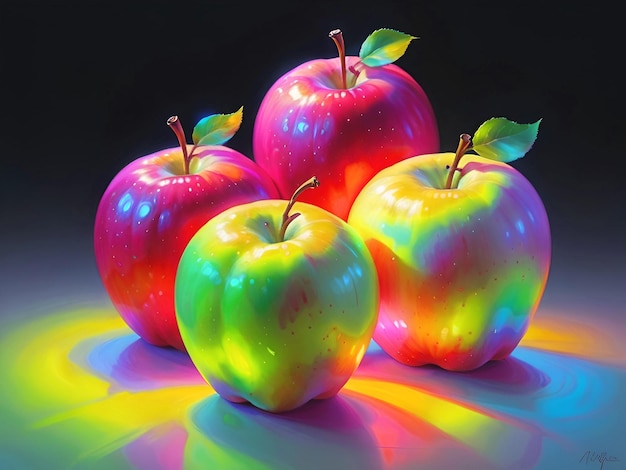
{"type": "Point", "coordinates": [177, 127]}
{"type": "Point", "coordinates": [465, 142]}
{"type": "Point", "coordinates": [287, 219]}
{"type": "Point", "coordinates": [337, 36]}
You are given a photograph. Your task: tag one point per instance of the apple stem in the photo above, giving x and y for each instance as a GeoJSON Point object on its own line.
{"type": "Point", "coordinates": [287, 219]}
{"type": "Point", "coordinates": [465, 142]}
{"type": "Point", "coordinates": [177, 127]}
{"type": "Point", "coordinates": [337, 36]}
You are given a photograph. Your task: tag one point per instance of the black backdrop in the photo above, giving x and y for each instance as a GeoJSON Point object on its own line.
{"type": "Point", "coordinates": [87, 86]}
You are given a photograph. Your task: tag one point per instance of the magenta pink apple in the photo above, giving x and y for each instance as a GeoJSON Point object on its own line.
{"type": "Point", "coordinates": [462, 252]}
{"type": "Point", "coordinates": [153, 207]}
{"type": "Point", "coordinates": [343, 119]}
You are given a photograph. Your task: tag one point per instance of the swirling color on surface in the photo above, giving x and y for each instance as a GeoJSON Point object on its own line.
{"type": "Point", "coordinates": [81, 390]}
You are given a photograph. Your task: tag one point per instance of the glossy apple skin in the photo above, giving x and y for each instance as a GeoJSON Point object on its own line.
{"type": "Point", "coordinates": [146, 217]}
{"type": "Point", "coordinates": [273, 323]}
{"type": "Point", "coordinates": [461, 271]}
{"type": "Point", "coordinates": [307, 125]}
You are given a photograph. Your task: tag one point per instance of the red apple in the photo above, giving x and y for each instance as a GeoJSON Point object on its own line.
{"type": "Point", "coordinates": [343, 119]}
{"type": "Point", "coordinates": [462, 253]}
{"type": "Point", "coordinates": [153, 207]}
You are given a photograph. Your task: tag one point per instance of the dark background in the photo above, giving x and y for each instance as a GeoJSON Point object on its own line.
{"type": "Point", "coordinates": [86, 87]}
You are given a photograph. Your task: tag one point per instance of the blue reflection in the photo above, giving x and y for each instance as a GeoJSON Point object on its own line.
{"type": "Point", "coordinates": [408, 128]}
{"type": "Point", "coordinates": [209, 271]}
{"type": "Point", "coordinates": [576, 387]}
{"type": "Point", "coordinates": [302, 126]}
{"type": "Point", "coordinates": [125, 204]}
{"type": "Point", "coordinates": [164, 220]}
{"type": "Point", "coordinates": [330, 433]}
{"type": "Point", "coordinates": [236, 281]}
{"type": "Point", "coordinates": [131, 364]}
{"type": "Point", "coordinates": [327, 126]}
{"type": "Point", "coordinates": [144, 209]}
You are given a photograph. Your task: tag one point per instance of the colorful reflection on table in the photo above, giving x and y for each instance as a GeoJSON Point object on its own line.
{"type": "Point", "coordinates": [82, 391]}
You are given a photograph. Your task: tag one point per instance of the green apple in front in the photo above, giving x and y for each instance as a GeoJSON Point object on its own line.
{"type": "Point", "coordinates": [276, 309]}
{"type": "Point", "coordinates": [462, 252]}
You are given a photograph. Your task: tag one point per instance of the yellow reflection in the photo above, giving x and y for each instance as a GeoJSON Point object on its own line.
{"type": "Point", "coordinates": [40, 353]}
{"type": "Point", "coordinates": [595, 338]}
{"type": "Point", "coordinates": [475, 429]}
{"type": "Point", "coordinates": [59, 398]}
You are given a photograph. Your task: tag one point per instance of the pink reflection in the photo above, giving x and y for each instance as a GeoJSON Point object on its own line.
{"type": "Point", "coordinates": [160, 448]}
{"type": "Point", "coordinates": [408, 440]}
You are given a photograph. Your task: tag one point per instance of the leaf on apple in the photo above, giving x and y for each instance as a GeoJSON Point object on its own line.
{"type": "Point", "coordinates": [217, 128]}
{"type": "Point", "coordinates": [384, 46]}
{"type": "Point", "coordinates": [503, 140]}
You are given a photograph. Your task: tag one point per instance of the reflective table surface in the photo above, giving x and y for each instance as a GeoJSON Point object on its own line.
{"type": "Point", "coordinates": [81, 390]}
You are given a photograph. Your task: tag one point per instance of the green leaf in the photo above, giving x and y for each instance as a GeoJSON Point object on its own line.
{"type": "Point", "coordinates": [217, 129]}
{"type": "Point", "coordinates": [384, 46]}
{"type": "Point", "coordinates": [503, 140]}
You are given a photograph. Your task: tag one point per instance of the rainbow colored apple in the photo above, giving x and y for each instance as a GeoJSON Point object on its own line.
{"type": "Point", "coordinates": [152, 208]}
{"type": "Point", "coordinates": [462, 252]}
{"type": "Point", "coordinates": [343, 119]}
{"type": "Point", "coordinates": [276, 309]}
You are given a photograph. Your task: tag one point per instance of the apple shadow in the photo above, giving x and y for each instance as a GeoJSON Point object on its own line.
{"type": "Point", "coordinates": [329, 433]}
{"type": "Point", "coordinates": [132, 364]}
{"type": "Point", "coordinates": [506, 377]}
